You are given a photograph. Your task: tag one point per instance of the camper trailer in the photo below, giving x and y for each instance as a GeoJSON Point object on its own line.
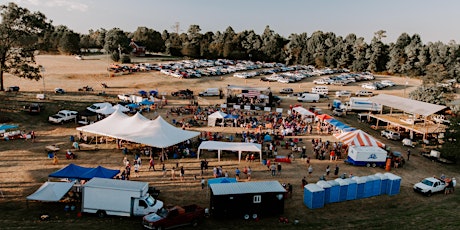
{"type": "Point", "coordinates": [248, 200]}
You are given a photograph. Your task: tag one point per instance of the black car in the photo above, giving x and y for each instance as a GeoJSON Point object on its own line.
{"type": "Point", "coordinates": [13, 89]}
{"type": "Point", "coordinates": [184, 93]}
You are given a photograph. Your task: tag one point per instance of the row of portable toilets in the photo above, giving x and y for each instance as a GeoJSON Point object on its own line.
{"type": "Point", "coordinates": [339, 190]}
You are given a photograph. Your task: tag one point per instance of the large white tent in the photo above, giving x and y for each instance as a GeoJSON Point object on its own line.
{"type": "Point", "coordinates": [51, 191]}
{"type": "Point", "coordinates": [230, 146]}
{"type": "Point", "coordinates": [214, 116]}
{"type": "Point", "coordinates": [139, 129]}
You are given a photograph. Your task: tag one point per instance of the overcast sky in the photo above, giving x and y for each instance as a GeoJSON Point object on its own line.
{"type": "Point", "coordinates": [432, 20]}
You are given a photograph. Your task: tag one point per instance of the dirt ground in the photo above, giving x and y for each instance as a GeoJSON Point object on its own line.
{"type": "Point", "coordinates": [25, 166]}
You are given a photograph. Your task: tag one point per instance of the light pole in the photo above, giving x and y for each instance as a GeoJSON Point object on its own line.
{"type": "Point", "coordinates": [43, 70]}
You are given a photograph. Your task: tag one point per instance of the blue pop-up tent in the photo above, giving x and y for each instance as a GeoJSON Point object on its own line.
{"type": "Point", "coordinates": [147, 102]}
{"type": "Point", "coordinates": [222, 180]}
{"type": "Point", "coordinates": [7, 126]}
{"type": "Point", "coordinates": [70, 171]}
{"type": "Point", "coordinates": [100, 172]}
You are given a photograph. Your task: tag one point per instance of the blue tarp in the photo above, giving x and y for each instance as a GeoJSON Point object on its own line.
{"type": "Point", "coordinates": [230, 116]}
{"type": "Point", "coordinates": [222, 180]}
{"type": "Point", "coordinates": [70, 171]}
{"type": "Point", "coordinates": [147, 102]}
{"type": "Point", "coordinates": [7, 126]}
{"type": "Point", "coordinates": [132, 105]}
{"type": "Point", "coordinates": [100, 172]}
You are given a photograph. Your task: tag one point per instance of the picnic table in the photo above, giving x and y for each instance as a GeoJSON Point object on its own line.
{"type": "Point", "coordinates": [84, 146]}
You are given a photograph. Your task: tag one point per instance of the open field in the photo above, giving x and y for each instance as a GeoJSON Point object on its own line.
{"type": "Point", "coordinates": [24, 165]}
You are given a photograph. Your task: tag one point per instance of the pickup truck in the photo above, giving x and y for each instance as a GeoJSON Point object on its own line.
{"type": "Point", "coordinates": [390, 135]}
{"type": "Point", "coordinates": [174, 216]}
{"type": "Point", "coordinates": [63, 116]}
{"type": "Point", "coordinates": [430, 185]}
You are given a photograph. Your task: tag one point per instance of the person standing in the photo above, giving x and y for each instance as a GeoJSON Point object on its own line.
{"type": "Point", "coordinates": [408, 154]}
{"type": "Point", "coordinates": [328, 170]}
{"type": "Point", "coordinates": [310, 170]}
{"type": "Point", "coordinates": [249, 173]}
{"type": "Point", "coordinates": [336, 171]}
{"type": "Point", "coordinates": [182, 173]}
{"type": "Point", "coordinates": [203, 182]}
{"type": "Point", "coordinates": [279, 168]}
{"type": "Point", "coordinates": [151, 163]}
{"type": "Point", "coordinates": [173, 173]}
{"type": "Point", "coordinates": [237, 174]}
{"type": "Point", "coordinates": [136, 168]}
{"type": "Point", "coordinates": [304, 182]}
{"type": "Point", "coordinates": [163, 168]}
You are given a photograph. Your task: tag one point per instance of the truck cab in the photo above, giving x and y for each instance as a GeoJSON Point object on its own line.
{"type": "Point", "coordinates": [145, 205]}
{"type": "Point", "coordinates": [430, 185]}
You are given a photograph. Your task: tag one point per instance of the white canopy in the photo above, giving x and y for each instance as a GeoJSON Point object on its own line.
{"type": "Point", "coordinates": [106, 110]}
{"type": "Point", "coordinates": [139, 129]}
{"type": "Point", "coordinates": [51, 191]}
{"type": "Point", "coordinates": [231, 146]}
{"type": "Point", "coordinates": [213, 117]}
{"type": "Point", "coordinates": [304, 113]}
{"type": "Point", "coordinates": [407, 105]}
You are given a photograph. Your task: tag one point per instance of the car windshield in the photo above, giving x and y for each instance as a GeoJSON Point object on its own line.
{"type": "Point", "coordinates": [427, 182]}
{"type": "Point", "coordinates": [150, 201]}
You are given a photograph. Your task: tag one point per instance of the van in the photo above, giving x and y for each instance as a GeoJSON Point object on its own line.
{"type": "Point", "coordinates": [308, 97]}
{"type": "Point", "coordinates": [210, 92]}
{"type": "Point", "coordinates": [321, 90]}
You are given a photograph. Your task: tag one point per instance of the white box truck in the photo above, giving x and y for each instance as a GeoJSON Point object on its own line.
{"type": "Point", "coordinates": [366, 156]}
{"type": "Point", "coordinates": [308, 97]}
{"type": "Point", "coordinates": [118, 197]}
{"type": "Point", "coordinates": [210, 92]}
{"type": "Point", "coordinates": [361, 104]}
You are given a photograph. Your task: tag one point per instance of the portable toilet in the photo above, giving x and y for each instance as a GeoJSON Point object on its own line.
{"type": "Point", "coordinates": [313, 196]}
{"type": "Point", "coordinates": [368, 186]}
{"type": "Point", "coordinates": [394, 184]}
{"type": "Point", "coordinates": [327, 190]}
{"type": "Point", "coordinates": [360, 181]}
{"type": "Point", "coordinates": [376, 186]}
{"type": "Point", "coordinates": [343, 189]}
{"type": "Point", "coordinates": [383, 183]}
{"type": "Point", "coordinates": [352, 189]}
{"type": "Point", "coordinates": [335, 191]}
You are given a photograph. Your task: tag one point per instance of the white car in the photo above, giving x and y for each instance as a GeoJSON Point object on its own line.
{"type": "Point", "coordinates": [364, 93]}
{"type": "Point", "coordinates": [387, 83]}
{"type": "Point", "coordinates": [343, 93]}
{"type": "Point", "coordinates": [369, 86]}
{"type": "Point", "coordinates": [321, 81]}
{"type": "Point", "coordinates": [286, 91]}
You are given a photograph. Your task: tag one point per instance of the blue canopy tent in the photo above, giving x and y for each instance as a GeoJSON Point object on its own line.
{"type": "Point", "coordinates": [153, 93]}
{"type": "Point", "coordinates": [222, 180]}
{"type": "Point", "coordinates": [132, 106]}
{"type": "Point", "coordinates": [100, 172]}
{"type": "Point", "coordinates": [142, 92]}
{"type": "Point", "coordinates": [342, 126]}
{"type": "Point", "coordinates": [333, 122]}
{"type": "Point", "coordinates": [70, 171]}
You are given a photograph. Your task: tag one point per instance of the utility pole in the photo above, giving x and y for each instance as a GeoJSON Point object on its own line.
{"type": "Point", "coordinates": [43, 70]}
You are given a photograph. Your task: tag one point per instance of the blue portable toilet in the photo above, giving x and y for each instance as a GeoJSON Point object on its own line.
{"type": "Point", "coordinates": [394, 184]}
{"type": "Point", "coordinates": [376, 186]}
{"type": "Point", "coordinates": [360, 181]}
{"type": "Point", "coordinates": [343, 189]}
{"type": "Point", "coordinates": [368, 186]}
{"type": "Point", "coordinates": [327, 190]}
{"type": "Point", "coordinates": [313, 196]}
{"type": "Point", "coordinates": [383, 183]}
{"type": "Point", "coordinates": [352, 189]}
{"type": "Point", "coordinates": [335, 191]}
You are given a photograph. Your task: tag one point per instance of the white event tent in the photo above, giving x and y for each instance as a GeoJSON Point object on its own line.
{"type": "Point", "coordinates": [231, 146]}
{"type": "Point", "coordinates": [51, 191]}
{"type": "Point", "coordinates": [139, 129]}
{"type": "Point", "coordinates": [214, 116]}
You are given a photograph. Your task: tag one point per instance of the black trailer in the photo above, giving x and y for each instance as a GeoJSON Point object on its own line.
{"type": "Point", "coordinates": [247, 199]}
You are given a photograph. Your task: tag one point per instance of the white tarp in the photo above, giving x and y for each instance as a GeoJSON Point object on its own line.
{"type": "Point", "coordinates": [216, 115]}
{"type": "Point", "coordinates": [139, 129]}
{"type": "Point", "coordinates": [51, 191]}
{"type": "Point", "coordinates": [230, 146]}
{"type": "Point", "coordinates": [407, 105]}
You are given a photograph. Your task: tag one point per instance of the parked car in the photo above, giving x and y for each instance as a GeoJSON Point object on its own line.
{"type": "Point", "coordinates": [63, 116]}
{"type": "Point", "coordinates": [391, 135]}
{"type": "Point", "coordinates": [387, 83]}
{"type": "Point", "coordinates": [59, 91]}
{"type": "Point", "coordinates": [338, 112]}
{"type": "Point", "coordinates": [286, 91]}
{"type": "Point", "coordinates": [408, 142]}
{"type": "Point", "coordinates": [364, 93]}
{"type": "Point", "coordinates": [13, 89]}
{"type": "Point", "coordinates": [175, 216]}
{"type": "Point", "coordinates": [183, 93]}
{"type": "Point", "coordinates": [33, 108]}
{"type": "Point", "coordinates": [343, 93]}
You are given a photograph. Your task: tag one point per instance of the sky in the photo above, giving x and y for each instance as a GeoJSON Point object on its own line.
{"type": "Point", "coordinates": [433, 20]}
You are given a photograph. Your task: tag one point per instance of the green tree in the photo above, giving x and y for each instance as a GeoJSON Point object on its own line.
{"type": "Point", "coordinates": [21, 32]}
{"type": "Point", "coordinates": [377, 53]}
{"type": "Point", "coordinates": [150, 38]}
{"type": "Point", "coordinates": [449, 149]}
{"type": "Point", "coordinates": [69, 43]}
{"type": "Point", "coordinates": [116, 41]}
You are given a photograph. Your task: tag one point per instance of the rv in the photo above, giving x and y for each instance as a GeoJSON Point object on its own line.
{"type": "Point", "coordinates": [321, 90]}
{"type": "Point", "coordinates": [210, 92]}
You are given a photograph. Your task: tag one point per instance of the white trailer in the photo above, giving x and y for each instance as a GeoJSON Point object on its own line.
{"type": "Point", "coordinates": [118, 197]}
{"type": "Point", "coordinates": [366, 156]}
{"type": "Point", "coordinates": [361, 104]}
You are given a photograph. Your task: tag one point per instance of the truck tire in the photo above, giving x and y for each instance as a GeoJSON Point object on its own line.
{"type": "Point", "coordinates": [101, 213]}
{"type": "Point", "coordinates": [246, 216]}
{"type": "Point", "coordinates": [254, 216]}
{"type": "Point", "coordinates": [428, 194]}
{"type": "Point", "coordinates": [374, 165]}
{"type": "Point", "coordinates": [160, 228]}
{"type": "Point", "coordinates": [368, 165]}
{"type": "Point", "coordinates": [194, 223]}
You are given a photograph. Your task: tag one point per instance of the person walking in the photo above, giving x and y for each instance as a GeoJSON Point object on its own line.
{"type": "Point", "coordinates": [336, 171]}
{"type": "Point", "coordinates": [273, 169]}
{"type": "Point", "coordinates": [163, 168]}
{"type": "Point", "coordinates": [279, 168]}
{"type": "Point", "coordinates": [203, 182]}
{"type": "Point", "coordinates": [249, 173]}
{"type": "Point", "coordinates": [310, 170]}
{"type": "Point", "coordinates": [328, 170]}
{"type": "Point", "coordinates": [182, 173]}
{"type": "Point", "coordinates": [237, 174]}
{"type": "Point", "coordinates": [173, 173]}
{"type": "Point", "coordinates": [408, 154]}
{"type": "Point", "coordinates": [151, 164]}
